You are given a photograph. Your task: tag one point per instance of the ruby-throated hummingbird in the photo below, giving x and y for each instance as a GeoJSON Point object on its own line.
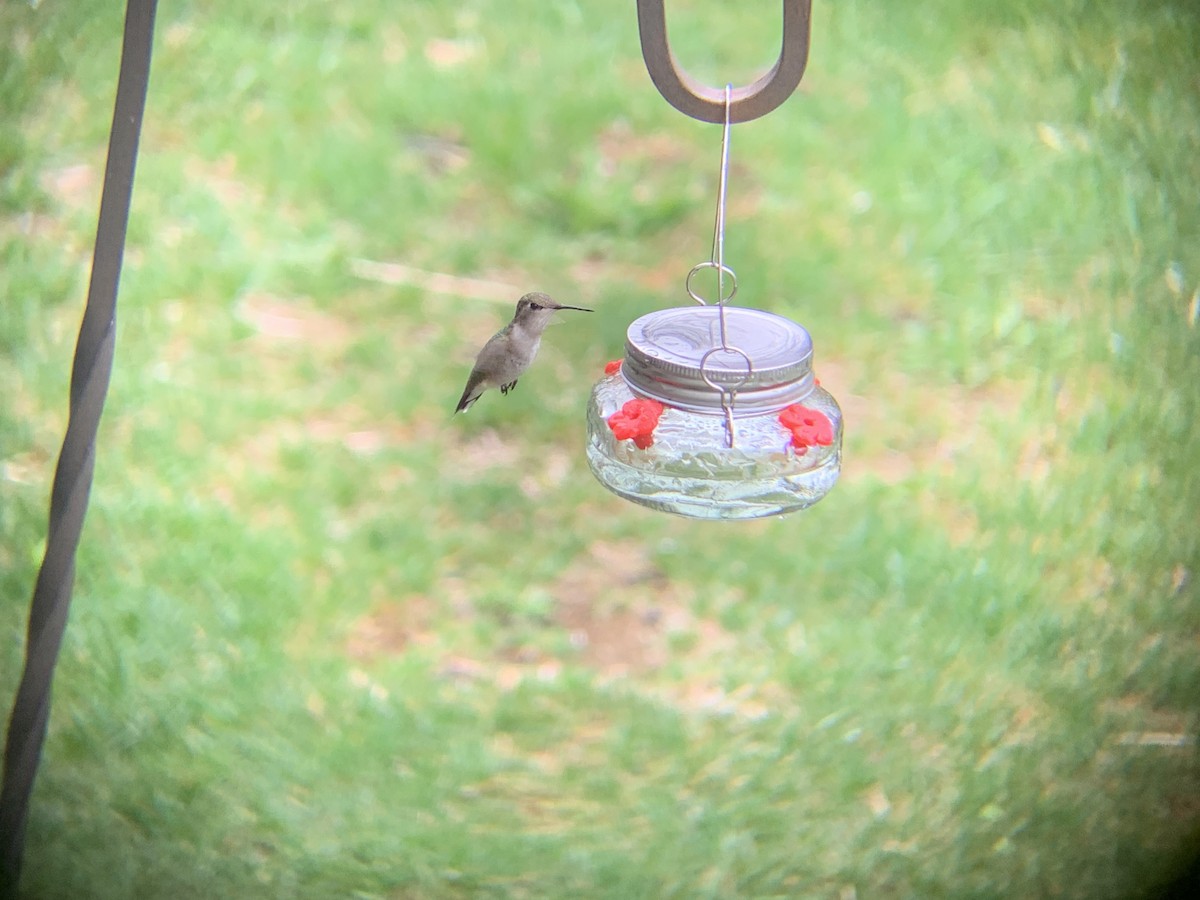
{"type": "Point", "coordinates": [508, 354]}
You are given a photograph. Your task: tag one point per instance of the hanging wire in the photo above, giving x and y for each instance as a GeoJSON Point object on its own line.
{"type": "Point", "coordinates": [718, 248]}
{"type": "Point", "coordinates": [76, 462]}
{"type": "Point", "coordinates": [716, 261]}
{"type": "Point", "coordinates": [708, 105]}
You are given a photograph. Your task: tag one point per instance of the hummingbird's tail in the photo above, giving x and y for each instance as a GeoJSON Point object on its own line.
{"type": "Point", "coordinates": [473, 391]}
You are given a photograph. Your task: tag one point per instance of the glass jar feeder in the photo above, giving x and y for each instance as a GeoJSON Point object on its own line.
{"type": "Point", "coordinates": [715, 423]}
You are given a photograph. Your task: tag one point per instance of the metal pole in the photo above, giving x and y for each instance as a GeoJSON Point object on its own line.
{"type": "Point", "coordinates": [76, 462]}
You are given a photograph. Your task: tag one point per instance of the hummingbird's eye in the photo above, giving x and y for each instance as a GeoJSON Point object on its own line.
{"type": "Point", "coordinates": [535, 306]}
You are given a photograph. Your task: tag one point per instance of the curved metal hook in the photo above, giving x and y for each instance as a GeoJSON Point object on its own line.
{"type": "Point", "coordinates": [708, 104]}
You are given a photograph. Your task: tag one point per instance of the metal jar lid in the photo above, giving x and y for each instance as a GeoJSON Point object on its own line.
{"type": "Point", "coordinates": [664, 352]}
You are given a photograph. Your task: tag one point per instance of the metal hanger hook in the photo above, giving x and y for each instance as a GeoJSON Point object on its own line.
{"type": "Point", "coordinates": [709, 104]}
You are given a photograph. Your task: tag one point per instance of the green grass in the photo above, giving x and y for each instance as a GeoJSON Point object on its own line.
{"type": "Point", "coordinates": [326, 637]}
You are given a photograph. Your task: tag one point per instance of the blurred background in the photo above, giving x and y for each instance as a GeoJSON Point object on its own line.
{"type": "Point", "coordinates": [329, 640]}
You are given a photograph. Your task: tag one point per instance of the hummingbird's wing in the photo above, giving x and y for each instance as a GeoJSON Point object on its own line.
{"type": "Point", "coordinates": [495, 365]}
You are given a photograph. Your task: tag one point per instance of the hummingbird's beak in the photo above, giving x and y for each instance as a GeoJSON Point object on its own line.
{"type": "Point", "coordinates": [580, 308]}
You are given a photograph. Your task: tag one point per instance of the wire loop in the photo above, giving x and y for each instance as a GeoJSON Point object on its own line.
{"type": "Point", "coordinates": [723, 270]}
{"type": "Point", "coordinates": [712, 382]}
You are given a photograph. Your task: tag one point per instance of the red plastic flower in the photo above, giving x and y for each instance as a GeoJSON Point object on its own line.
{"type": "Point", "coordinates": [809, 427]}
{"type": "Point", "coordinates": [637, 419]}
{"type": "Point", "coordinates": [612, 368]}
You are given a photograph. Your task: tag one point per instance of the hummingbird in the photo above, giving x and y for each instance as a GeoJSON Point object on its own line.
{"type": "Point", "coordinates": [508, 354]}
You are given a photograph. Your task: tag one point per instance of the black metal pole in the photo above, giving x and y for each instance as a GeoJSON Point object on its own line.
{"type": "Point", "coordinates": [76, 462]}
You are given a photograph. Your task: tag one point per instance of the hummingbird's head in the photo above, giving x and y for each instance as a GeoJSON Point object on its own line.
{"type": "Point", "coordinates": [534, 310]}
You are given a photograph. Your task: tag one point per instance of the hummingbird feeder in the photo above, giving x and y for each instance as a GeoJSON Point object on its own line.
{"type": "Point", "coordinates": [715, 412]}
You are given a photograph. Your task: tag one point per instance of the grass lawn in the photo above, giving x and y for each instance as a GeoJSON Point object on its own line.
{"type": "Point", "coordinates": [329, 640]}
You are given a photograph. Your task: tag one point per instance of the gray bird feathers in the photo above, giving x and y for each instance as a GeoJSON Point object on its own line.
{"type": "Point", "coordinates": [508, 354]}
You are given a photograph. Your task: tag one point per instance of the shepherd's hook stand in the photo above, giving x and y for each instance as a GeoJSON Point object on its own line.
{"type": "Point", "coordinates": [710, 104]}
{"type": "Point", "coordinates": [76, 462]}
